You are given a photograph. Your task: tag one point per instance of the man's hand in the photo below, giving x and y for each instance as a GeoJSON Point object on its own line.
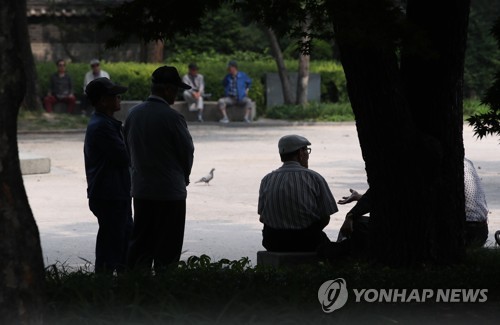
{"type": "Point", "coordinates": [355, 196]}
{"type": "Point", "coordinates": [196, 94]}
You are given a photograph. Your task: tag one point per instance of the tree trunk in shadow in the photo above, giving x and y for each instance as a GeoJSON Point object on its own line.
{"type": "Point", "coordinates": [22, 271]}
{"type": "Point", "coordinates": [155, 52]}
{"type": "Point", "coordinates": [412, 167]}
{"type": "Point", "coordinates": [303, 73]}
{"type": "Point", "coordinates": [280, 63]}
{"type": "Point", "coordinates": [303, 79]}
{"type": "Point", "coordinates": [32, 101]}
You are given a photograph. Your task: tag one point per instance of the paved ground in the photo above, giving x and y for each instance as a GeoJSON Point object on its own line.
{"type": "Point", "coordinates": [222, 218]}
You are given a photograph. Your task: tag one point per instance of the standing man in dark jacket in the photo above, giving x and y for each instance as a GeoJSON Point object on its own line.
{"type": "Point", "coordinates": [161, 152]}
{"type": "Point", "coordinates": [108, 176]}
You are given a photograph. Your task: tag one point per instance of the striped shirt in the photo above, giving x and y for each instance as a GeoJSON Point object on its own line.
{"type": "Point", "coordinates": [294, 197]}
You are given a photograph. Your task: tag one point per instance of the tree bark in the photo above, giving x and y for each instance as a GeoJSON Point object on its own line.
{"type": "Point", "coordinates": [433, 77]}
{"type": "Point", "coordinates": [303, 73]}
{"type": "Point", "coordinates": [303, 79]}
{"type": "Point", "coordinates": [406, 168]}
{"type": "Point", "coordinates": [32, 101]}
{"type": "Point", "coordinates": [280, 63]}
{"type": "Point", "coordinates": [22, 272]}
{"type": "Point", "coordinates": [155, 52]}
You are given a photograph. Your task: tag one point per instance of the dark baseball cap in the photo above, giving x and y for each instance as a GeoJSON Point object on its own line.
{"type": "Point", "coordinates": [103, 86]}
{"type": "Point", "coordinates": [193, 66]}
{"type": "Point", "coordinates": [232, 63]}
{"type": "Point", "coordinates": [168, 75]}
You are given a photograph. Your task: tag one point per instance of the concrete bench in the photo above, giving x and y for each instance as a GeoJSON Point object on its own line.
{"type": "Point", "coordinates": [60, 107]}
{"type": "Point", "coordinates": [210, 111]}
{"type": "Point", "coordinates": [277, 259]}
{"type": "Point", "coordinates": [33, 164]}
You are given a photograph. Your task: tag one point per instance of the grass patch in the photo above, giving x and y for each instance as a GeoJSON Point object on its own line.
{"type": "Point", "coordinates": [339, 112]}
{"type": "Point", "coordinates": [202, 291]}
{"type": "Point", "coordinates": [325, 112]}
{"type": "Point", "coordinates": [473, 106]}
{"type": "Point", "coordinates": [41, 121]}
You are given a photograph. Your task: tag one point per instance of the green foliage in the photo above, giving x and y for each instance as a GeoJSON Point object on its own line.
{"type": "Point", "coordinates": [335, 112]}
{"type": "Point", "coordinates": [213, 66]}
{"type": "Point", "coordinates": [320, 50]}
{"type": "Point", "coordinates": [488, 122]}
{"type": "Point", "coordinates": [482, 57]}
{"type": "Point", "coordinates": [38, 121]}
{"type": "Point", "coordinates": [223, 31]}
{"type": "Point", "coordinates": [202, 290]}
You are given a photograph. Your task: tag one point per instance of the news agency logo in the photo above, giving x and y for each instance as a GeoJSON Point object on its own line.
{"type": "Point", "coordinates": [333, 294]}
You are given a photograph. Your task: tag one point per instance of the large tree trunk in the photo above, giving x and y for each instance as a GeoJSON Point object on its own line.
{"type": "Point", "coordinates": [22, 273]}
{"type": "Point", "coordinates": [31, 101]}
{"type": "Point", "coordinates": [280, 63]}
{"type": "Point", "coordinates": [434, 86]}
{"type": "Point", "coordinates": [404, 161]}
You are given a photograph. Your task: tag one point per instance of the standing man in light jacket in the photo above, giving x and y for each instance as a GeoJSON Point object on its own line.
{"type": "Point", "coordinates": [161, 153]}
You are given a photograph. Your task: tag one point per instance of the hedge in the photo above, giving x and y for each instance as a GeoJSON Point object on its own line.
{"type": "Point", "coordinates": [137, 76]}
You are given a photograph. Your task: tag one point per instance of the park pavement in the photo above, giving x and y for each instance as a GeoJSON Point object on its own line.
{"type": "Point", "coordinates": [222, 220]}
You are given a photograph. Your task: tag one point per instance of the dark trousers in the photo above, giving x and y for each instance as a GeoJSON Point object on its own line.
{"type": "Point", "coordinates": [293, 240]}
{"type": "Point", "coordinates": [158, 233]}
{"type": "Point", "coordinates": [476, 233]}
{"type": "Point", "coordinates": [115, 227]}
{"type": "Point", "coordinates": [50, 100]}
{"type": "Point", "coordinates": [357, 245]}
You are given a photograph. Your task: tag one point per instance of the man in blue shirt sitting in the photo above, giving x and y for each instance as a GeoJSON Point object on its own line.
{"type": "Point", "coordinates": [236, 85]}
{"type": "Point", "coordinates": [108, 176]}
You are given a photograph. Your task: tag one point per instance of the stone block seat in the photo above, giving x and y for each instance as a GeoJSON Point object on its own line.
{"type": "Point", "coordinates": [211, 112]}
{"type": "Point", "coordinates": [61, 107]}
{"type": "Point", "coordinates": [33, 164]}
{"type": "Point", "coordinates": [277, 259]}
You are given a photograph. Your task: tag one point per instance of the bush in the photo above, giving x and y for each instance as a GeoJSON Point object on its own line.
{"type": "Point", "coordinates": [200, 290]}
{"type": "Point", "coordinates": [213, 67]}
{"type": "Point", "coordinates": [333, 112]}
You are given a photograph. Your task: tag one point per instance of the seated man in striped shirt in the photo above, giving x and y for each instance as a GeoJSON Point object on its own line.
{"type": "Point", "coordinates": [295, 203]}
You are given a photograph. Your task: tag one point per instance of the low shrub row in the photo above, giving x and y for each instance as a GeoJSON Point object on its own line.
{"type": "Point", "coordinates": [232, 292]}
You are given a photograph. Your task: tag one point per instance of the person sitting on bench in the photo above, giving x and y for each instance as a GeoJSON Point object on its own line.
{"type": "Point", "coordinates": [295, 203]}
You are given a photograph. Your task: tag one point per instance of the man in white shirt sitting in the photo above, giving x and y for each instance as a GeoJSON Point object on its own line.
{"type": "Point", "coordinates": [194, 96]}
{"type": "Point", "coordinates": [94, 73]}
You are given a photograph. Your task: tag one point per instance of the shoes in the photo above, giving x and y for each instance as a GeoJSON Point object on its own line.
{"type": "Point", "coordinates": [247, 120]}
{"type": "Point", "coordinates": [224, 120]}
{"type": "Point", "coordinates": [200, 119]}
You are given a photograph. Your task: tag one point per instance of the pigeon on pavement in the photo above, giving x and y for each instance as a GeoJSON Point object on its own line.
{"type": "Point", "coordinates": [207, 178]}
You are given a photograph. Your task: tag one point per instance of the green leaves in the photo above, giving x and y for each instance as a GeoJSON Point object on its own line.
{"type": "Point", "coordinates": [488, 123]}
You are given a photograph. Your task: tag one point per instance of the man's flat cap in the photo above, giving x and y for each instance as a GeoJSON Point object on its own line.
{"type": "Point", "coordinates": [168, 75]}
{"type": "Point", "coordinates": [103, 86]}
{"type": "Point", "coordinates": [291, 143]}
